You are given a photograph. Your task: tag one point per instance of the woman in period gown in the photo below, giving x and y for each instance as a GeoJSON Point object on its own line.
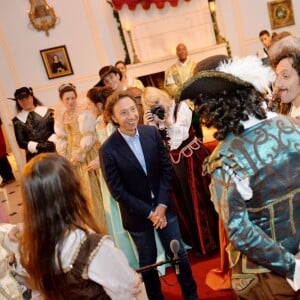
{"type": "Point", "coordinates": [197, 217]}
{"type": "Point", "coordinates": [77, 141]}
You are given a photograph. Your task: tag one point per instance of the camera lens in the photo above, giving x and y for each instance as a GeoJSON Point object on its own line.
{"type": "Point", "coordinates": [159, 111]}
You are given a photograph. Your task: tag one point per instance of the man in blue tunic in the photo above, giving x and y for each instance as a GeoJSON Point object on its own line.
{"type": "Point", "coordinates": [255, 173]}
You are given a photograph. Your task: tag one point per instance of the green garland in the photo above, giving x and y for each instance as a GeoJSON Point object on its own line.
{"type": "Point", "coordinates": [117, 17]}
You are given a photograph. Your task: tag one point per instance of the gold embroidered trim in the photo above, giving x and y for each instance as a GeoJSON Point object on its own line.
{"type": "Point", "coordinates": [242, 283]}
{"type": "Point", "coordinates": [245, 269]}
{"type": "Point", "coordinates": [70, 266]}
{"type": "Point", "coordinates": [62, 137]}
{"type": "Point", "coordinates": [92, 255]}
{"type": "Point", "coordinates": [270, 207]}
{"type": "Point", "coordinates": [88, 133]}
{"type": "Point", "coordinates": [293, 226]}
{"type": "Point", "coordinates": [190, 104]}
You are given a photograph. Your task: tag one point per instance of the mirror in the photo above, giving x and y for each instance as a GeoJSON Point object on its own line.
{"type": "Point", "coordinates": [41, 15]}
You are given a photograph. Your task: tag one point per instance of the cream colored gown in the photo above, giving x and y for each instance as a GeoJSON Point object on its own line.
{"type": "Point", "coordinates": [76, 140]}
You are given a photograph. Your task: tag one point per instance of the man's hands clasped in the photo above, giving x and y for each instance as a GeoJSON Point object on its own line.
{"type": "Point", "coordinates": [158, 217]}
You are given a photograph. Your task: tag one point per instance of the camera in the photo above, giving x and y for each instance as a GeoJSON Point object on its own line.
{"type": "Point", "coordinates": [159, 111]}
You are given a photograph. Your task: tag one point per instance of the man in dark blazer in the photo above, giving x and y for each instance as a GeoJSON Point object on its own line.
{"type": "Point", "coordinates": [137, 170]}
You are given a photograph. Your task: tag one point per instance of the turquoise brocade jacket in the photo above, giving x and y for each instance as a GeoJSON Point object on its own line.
{"type": "Point", "coordinates": [255, 188]}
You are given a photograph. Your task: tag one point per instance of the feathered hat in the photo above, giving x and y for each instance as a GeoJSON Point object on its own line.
{"type": "Point", "coordinates": [228, 76]}
{"type": "Point", "coordinates": [22, 93]}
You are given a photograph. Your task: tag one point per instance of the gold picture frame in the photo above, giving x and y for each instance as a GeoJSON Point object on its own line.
{"type": "Point", "coordinates": [281, 13]}
{"type": "Point", "coordinates": [57, 62]}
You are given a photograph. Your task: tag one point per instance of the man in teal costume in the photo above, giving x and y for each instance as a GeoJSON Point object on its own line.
{"type": "Point", "coordinates": [255, 173]}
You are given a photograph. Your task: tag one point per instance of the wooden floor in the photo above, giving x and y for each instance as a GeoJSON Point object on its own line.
{"type": "Point", "coordinates": [14, 202]}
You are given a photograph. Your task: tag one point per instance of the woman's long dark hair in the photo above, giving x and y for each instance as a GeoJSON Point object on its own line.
{"type": "Point", "coordinates": [226, 110]}
{"type": "Point", "coordinates": [54, 205]}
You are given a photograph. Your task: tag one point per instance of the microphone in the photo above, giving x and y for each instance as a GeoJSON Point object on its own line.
{"type": "Point", "coordinates": [174, 246]}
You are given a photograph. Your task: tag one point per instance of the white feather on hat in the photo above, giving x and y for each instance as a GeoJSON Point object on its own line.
{"type": "Point", "coordinates": [250, 69]}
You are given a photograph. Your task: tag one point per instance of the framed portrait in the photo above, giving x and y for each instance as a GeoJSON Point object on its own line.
{"type": "Point", "coordinates": [281, 13]}
{"type": "Point", "coordinates": [57, 62]}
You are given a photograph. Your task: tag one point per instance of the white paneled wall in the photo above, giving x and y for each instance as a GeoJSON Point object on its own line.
{"type": "Point", "coordinates": [89, 30]}
{"type": "Point", "coordinates": [240, 21]}
{"type": "Point", "coordinates": [156, 32]}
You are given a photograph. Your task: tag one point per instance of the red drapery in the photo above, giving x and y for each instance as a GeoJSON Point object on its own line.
{"type": "Point", "coordinates": [145, 3]}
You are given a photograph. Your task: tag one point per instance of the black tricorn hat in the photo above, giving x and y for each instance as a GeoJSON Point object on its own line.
{"type": "Point", "coordinates": [210, 82]}
{"type": "Point", "coordinates": [227, 75]}
{"type": "Point", "coordinates": [104, 71]}
{"type": "Point", "coordinates": [207, 64]}
{"type": "Point", "coordinates": [22, 93]}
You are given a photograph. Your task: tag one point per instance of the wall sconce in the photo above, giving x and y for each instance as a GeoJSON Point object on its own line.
{"type": "Point", "coordinates": [41, 15]}
{"type": "Point", "coordinates": [135, 57]}
{"type": "Point", "coordinates": [219, 38]}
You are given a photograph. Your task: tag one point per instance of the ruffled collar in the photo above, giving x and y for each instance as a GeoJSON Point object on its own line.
{"type": "Point", "coordinates": [40, 110]}
{"type": "Point", "coordinates": [253, 121]}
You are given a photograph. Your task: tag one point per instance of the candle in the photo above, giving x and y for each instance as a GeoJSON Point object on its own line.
{"type": "Point", "coordinates": [127, 27]}
{"type": "Point", "coordinates": [212, 6]}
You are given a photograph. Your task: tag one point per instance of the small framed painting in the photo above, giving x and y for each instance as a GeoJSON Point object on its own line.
{"type": "Point", "coordinates": [281, 13]}
{"type": "Point", "coordinates": [57, 62]}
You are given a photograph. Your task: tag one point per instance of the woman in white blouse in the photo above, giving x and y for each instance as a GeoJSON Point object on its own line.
{"type": "Point", "coordinates": [61, 246]}
{"type": "Point", "coordinates": [197, 217]}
